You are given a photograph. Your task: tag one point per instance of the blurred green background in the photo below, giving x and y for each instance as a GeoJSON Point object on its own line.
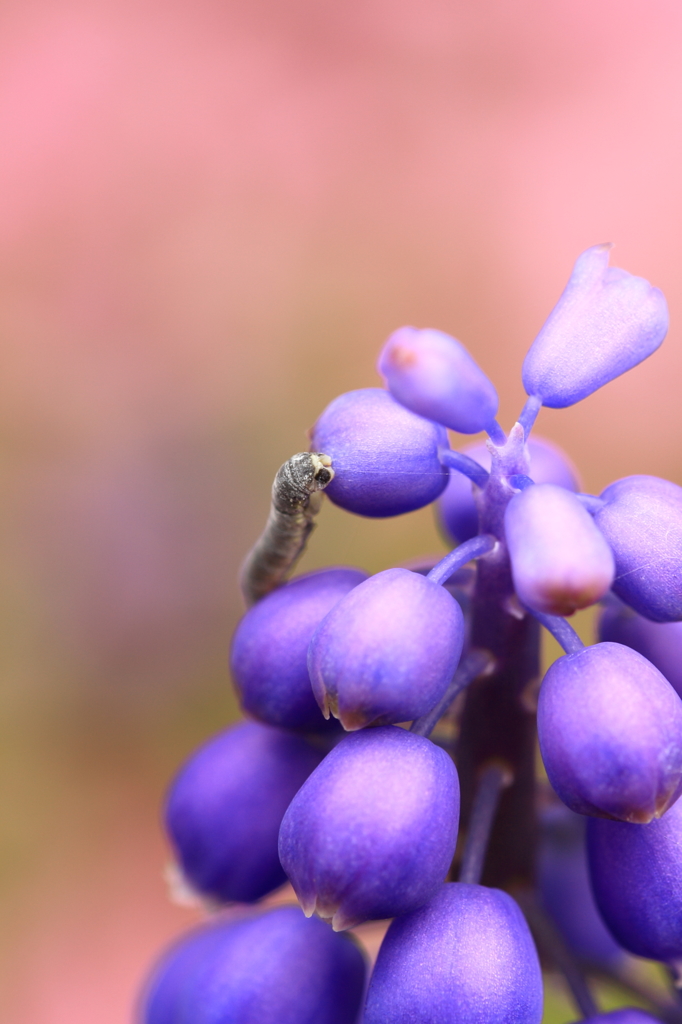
{"type": "Point", "coordinates": [211, 216]}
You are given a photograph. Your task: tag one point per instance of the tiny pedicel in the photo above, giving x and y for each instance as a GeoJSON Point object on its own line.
{"type": "Point", "coordinates": [388, 764]}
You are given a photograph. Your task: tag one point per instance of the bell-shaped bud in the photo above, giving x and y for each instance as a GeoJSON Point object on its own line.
{"type": "Point", "coordinates": [565, 892]}
{"type": "Point", "coordinates": [270, 648]}
{"type": "Point", "coordinates": [225, 806]}
{"type": "Point", "coordinates": [269, 968]}
{"type": "Point", "coordinates": [387, 651]}
{"type": "Point", "coordinates": [610, 734]}
{"type": "Point", "coordinates": [372, 832]}
{"type": "Point", "coordinates": [642, 521]}
{"type": "Point", "coordinates": [659, 642]}
{"type": "Point", "coordinates": [626, 1015]}
{"type": "Point", "coordinates": [466, 957]}
{"type": "Point", "coordinates": [636, 873]}
{"type": "Point", "coordinates": [605, 322]}
{"type": "Point", "coordinates": [456, 508]}
{"type": "Point", "coordinates": [385, 457]}
{"type": "Point", "coordinates": [560, 561]}
{"type": "Point", "coordinates": [432, 374]}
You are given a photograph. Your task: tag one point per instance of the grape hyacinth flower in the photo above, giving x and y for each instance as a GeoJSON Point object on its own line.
{"type": "Point", "coordinates": [641, 518]}
{"type": "Point", "coordinates": [270, 648]}
{"type": "Point", "coordinates": [372, 832]}
{"type": "Point", "coordinates": [565, 891]}
{"type": "Point", "coordinates": [466, 957]}
{"type": "Point", "coordinates": [636, 875]}
{"type": "Point", "coordinates": [241, 970]}
{"type": "Point", "coordinates": [225, 806]}
{"type": "Point", "coordinates": [610, 733]}
{"type": "Point", "coordinates": [385, 458]}
{"type": "Point", "coordinates": [560, 561]}
{"type": "Point", "coordinates": [387, 651]}
{"type": "Point", "coordinates": [433, 375]}
{"type": "Point", "coordinates": [434, 676]}
{"type": "Point", "coordinates": [605, 322]}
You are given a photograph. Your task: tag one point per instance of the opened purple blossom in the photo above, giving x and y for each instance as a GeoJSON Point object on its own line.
{"type": "Point", "coordinates": [270, 648]}
{"type": "Point", "coordinates": [642, 521]}
{"type": "Point", "coordinates": [560, 561]}
{"type": "Point", "coordinates": [387, 651]}
{"type": "Point", "coordinates": [385, 457]}
{"type": "Point", "coordinates": [456, 507]}
{"type": "Point", "coordinates": [565, 891]}
{"type": "Point", "coordinates": [372, 832]}
{"type": "Point", "coordinates": [636, 875]}
{"type": "Point", "coordinates": [659, 642]}
{"type": "Point", "coordinates": [605, 322]}
{"type": "Point", "coordinates": [610, 733]}
{"type": "Point", "coordinates": [466, 957]}
{"type": "Point", "coordinates": [269, 968]}
{"type": "Point", "coordinates": [225, 806]}
{"type": "Point", "coordinates": [432, 374]}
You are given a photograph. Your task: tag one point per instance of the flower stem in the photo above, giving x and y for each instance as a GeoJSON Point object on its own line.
{"type": "Point", "coordinates": [551, 943]}
{"type": "Point", "coordinates": [474, 548]}
{"type": "Point", "coordinates": [471, 667]}
{"type": "Point", "coordinates": [498, 722]}
{"type": "Point", "coordinates": [464, 464]}
{"type": "Point", "coordinates": [494, 778]}
{"type": "Point", "coordinates": [496, 433]}
{"type": "Point", "coordinates": [529, 414]}
{"type": "Point", "coordinates": [564, 634]}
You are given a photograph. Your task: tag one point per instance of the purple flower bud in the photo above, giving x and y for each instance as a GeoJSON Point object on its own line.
{"type": "Point", "coordinates": [565, 891]}
{"type": "Point", "coordinates": [372, 832]}
{"type": "Point", "coordinates": [385, 458]}
{"type": "Point", "coordinates": [605, 322]}
{"type": "Point", "coordinates": [636, 875]}
{"type": "Point", "coordinates": [642, 521]}
{"type": "Point", "coordinates": [627, 1015]}
{"type": "Point", "coordinates": [269, 968]}
{"type": "Point", "coordinates": [225, 806]}
{"type": "Point", "coordinates": [610, 733]}
{"type": "Point", "coordinates": [270, 648]}
{"type": "Point", "coordinates": [456, 507]}
{"type": "Point", "coordinates": [432, 374]}
{"type": "Point", "coordinates": [466, 957]}
{"type": "Point", "coordinates": [387, 651]}
{"type": "Point", "coordinates": [659, 642]}
{"type": "Point", "coordinates": [560, 561]}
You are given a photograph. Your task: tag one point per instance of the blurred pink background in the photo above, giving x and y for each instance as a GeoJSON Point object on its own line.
{"type": "Point", "coordinates": [211, 215]}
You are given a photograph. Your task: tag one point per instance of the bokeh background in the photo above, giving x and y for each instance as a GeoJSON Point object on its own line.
{"type": "Point", "coordinates": [211, 215]}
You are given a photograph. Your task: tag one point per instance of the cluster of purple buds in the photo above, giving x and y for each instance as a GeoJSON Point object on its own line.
{"type": "Point", "coordinates": [381, 707]}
